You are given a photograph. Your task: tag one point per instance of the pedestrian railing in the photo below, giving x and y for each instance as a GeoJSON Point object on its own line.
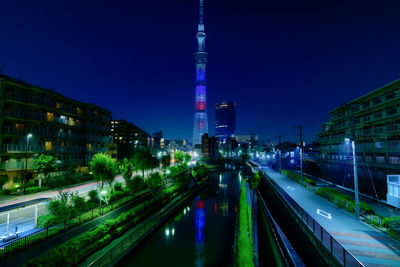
{"type": "Point", "coordinates": [21, 243]}
{"type": "Point", "coordinates": [336, 249]}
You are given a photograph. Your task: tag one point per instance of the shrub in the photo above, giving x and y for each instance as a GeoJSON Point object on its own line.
{"type": "Point", "coordinates": [79, 203]}
{"type": "Point", "coordinates": [94, 195]}
{"type": "Point", "coordinates": [35, 189]}
{"type": "Point", "coordinates": [118, 186]}
{"type": "Point", "coordinates": [153, 180]}
{"type": "Point", "coordinates": [47, 220]}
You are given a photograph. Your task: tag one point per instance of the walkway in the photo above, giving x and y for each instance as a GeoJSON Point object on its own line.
{"type": "Point", "coordinates": [370, 246]}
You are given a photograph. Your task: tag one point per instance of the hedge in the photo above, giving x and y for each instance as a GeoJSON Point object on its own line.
{"type": "Point", "coordinates": [75, 249]}
{"type": "Point", "coordinates": [296, 176]}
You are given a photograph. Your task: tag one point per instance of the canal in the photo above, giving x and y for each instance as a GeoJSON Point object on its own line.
{"type": "Point", "coordinates": [201, 234]}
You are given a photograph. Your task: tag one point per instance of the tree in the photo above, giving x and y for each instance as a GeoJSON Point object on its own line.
{"type": "Point", "coordinates": [72, 167]}
{"type": "Point", "coordinates": [245, 157]}
{"type": "Point", "coordinates": [127, 169]}
{"type": "Point", "coordinates": [3, 180]}
{"type": "Point", "coordinates": [103, 168]}
{"type": "Point", "coordinates": [187, 157]}
{"type": "Point", "coordinates": [254, 180]}
{"type": "Point", "coordinates": [44, 164]}
{"type": "Point", "coordinates": [165, 161]}
{"type": "Point", "coordinates": [155, 163]}
{"type": "Point", "coordinates": [142, 160]}
{"type": "Point", "coordinates": [178, 156]}
{"type": "Point", "coordinates": [62, 208]}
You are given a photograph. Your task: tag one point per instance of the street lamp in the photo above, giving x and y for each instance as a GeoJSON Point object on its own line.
{"type": "Point", "coordinates": [102, 192]}
{"type": "Point", "coordinates": [357, 205]}
{"type": "Point", "coordinates": [26, 156]}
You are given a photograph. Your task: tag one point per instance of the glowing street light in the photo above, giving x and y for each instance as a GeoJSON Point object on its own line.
{"type": "Point", "coordinates": [357, 205]}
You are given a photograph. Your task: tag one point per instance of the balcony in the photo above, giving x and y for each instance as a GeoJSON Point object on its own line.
{"type": "Point", "coordinates": [18, 148]}
{"type": "Point", "coordinates": [16, 113]}
{"type": "Point", "coordinates": [29, 99]}
{"type": "Point", "coordinates": [16, 165]}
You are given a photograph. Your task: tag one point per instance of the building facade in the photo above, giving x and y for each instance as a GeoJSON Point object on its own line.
{"type": "Point", "coordinates": [225, 120]}
{"type": "Point", "coordinates": [34, 120]}
{"type": "Point", "coordinates": [373, 122]}
{"type": "Point", "coordinates": [209, 147]}
{"type": "Point", "coordinates": [128, 138]}
{"type": "Point", "coordinates": [200, 115]}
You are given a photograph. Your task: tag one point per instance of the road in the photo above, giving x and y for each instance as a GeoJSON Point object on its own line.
{"type": "Point", "coordinates": [367, 244]}
{"type": "Point", "coordinates": [24, 218]}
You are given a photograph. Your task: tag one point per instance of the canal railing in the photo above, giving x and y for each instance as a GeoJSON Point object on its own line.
{"type": "Point", "coordinates": [133, 237]}
{"type": "Point", "coordinates": [327, 240]}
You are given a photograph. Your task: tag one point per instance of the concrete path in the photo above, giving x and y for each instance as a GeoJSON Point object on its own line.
{"type": "Point", "coordinates": [368, 245]}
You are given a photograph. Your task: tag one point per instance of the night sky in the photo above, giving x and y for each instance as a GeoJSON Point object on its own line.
{"type": "Point", "coordinates": [284, 62]}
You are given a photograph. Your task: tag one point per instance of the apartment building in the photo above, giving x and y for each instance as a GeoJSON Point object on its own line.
{"type": "Point", "coordinates": [34, 120]}
{"type": "Point", "coordinates": [373, 121]}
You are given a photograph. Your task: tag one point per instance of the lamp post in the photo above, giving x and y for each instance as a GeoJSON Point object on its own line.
{"type": "Point", "coordinates": [357, 205]}
{"type": "Point", "coordinates": [102, 192]}
{"type": "Point", "coordinates": [26, 157]}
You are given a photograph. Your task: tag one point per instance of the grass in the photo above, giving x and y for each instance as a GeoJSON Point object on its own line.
{"type": "Point", "coordinates": [245, 237]}
{"type": "Point", "coordinates": [296, 177]}
{"type": "Point", "coordinates": [342, 200]}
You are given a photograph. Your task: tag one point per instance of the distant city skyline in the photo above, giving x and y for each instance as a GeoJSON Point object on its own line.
{"type": "Point", "coordinates": [287, 63]}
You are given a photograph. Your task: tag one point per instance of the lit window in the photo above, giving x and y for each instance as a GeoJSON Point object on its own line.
{"type": "Point", "coordinates": [50, 116]}
{"type": "Point", "coordinates": [19, 126]}
{"type": "Point", "coordinates": [58, 105]}
{"type": "Point", "coordinates": [48, 146]}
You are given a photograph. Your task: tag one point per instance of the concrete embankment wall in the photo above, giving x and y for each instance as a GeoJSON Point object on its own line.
{"type": "Point", "coordinates": [302, 239]}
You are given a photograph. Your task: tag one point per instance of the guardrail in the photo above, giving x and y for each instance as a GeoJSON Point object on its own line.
{"type": "Point", "coordinates": [327, 240]}
{"type": "Point", "coordinates": [20, 242]}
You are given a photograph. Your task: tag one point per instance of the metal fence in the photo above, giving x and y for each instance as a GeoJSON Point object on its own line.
{"type": "Point", "coordinates": [22, 243]}
{"type": "Point", "coordinates": [336, 249]}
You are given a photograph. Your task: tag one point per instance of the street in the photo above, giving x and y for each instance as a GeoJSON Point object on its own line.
{"type": "Point", "coordinates": [367, 244]}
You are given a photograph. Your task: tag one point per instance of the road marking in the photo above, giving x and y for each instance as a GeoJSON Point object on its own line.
{"type": "Point", "coordinates": [324, 214]}
{"type": "Point", "coordinates": [290, 187]}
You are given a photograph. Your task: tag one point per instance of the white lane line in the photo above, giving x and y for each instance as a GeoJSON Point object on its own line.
{"type": "Point", "coordinates": [290, 187]}
{"type": "Point", "coordinates": [324, 214]}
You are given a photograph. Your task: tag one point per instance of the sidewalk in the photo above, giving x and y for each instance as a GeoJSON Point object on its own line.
{"type": "Point", "coordinates": [370, 246]}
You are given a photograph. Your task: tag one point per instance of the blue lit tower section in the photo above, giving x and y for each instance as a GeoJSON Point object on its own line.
{"type": "Point", "coordinates": [200, 115]}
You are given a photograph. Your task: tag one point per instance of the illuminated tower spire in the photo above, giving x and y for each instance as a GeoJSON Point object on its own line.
{"type": "Point", "coordinates": [200, 115]}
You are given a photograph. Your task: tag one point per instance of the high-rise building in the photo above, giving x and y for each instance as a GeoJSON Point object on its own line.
{"type": "Point", "coordinates": [200, 115]}
{"type": "Point", "coordinates": [35, 120]}
{"type": "Point", "coordinates": [225, 120]}
{"type": "Point", "coordinates": [373, 122]}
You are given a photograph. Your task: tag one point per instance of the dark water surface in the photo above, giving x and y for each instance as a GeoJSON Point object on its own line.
{"type": "Point", "coordinates": [201, 234]}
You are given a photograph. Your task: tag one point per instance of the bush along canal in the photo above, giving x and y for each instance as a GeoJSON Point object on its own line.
{"type": "Point", "coordinates": [200, 234]}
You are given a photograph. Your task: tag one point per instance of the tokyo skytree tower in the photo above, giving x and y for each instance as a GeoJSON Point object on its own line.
{"type": "Point", "coordinates": [200, 115]}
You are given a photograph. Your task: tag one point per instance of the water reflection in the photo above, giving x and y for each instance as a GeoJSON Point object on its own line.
{"type": "Point", "coordinates": [200, 218]}
{"type": "Point", "coordinates": [201, 234]}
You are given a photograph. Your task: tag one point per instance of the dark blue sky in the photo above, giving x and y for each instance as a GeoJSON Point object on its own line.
{"type": "Point", "coordinates": [284, 62]}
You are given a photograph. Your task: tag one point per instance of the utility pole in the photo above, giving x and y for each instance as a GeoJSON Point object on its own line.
{"type": "Point", "coordinates": [353, 146]}
{"type": "Point", "coordinates": [301, 152]}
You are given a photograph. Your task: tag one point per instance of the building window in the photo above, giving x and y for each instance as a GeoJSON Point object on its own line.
{"type": "Point", "coordinates": [390, 95]}
{"type": "Point", "coordinates": [390, 111]}
{"type": "Point", "coordinates": [394, 160]}
{"type": "Point", "coordinates": [50, 116]}
{"type": "Point", "coordinates": [365, 104]}
{"type": "Point", "coordinates": [377, 100]}
{"type": "Point", "coordinates": [48, 146]}
{"type": "Point", "coordinates": [19, 126]}
{"type": "Point", "coordinates": [380, 159]}
{"type": "Point", "coordinates": [378, 145]}
{"type": "Point", "coordinates": [58, 105]}
{"type": "Point", "coordinates": [79, 111]}
{"type": "Point", "coordinates": [378, 115]}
